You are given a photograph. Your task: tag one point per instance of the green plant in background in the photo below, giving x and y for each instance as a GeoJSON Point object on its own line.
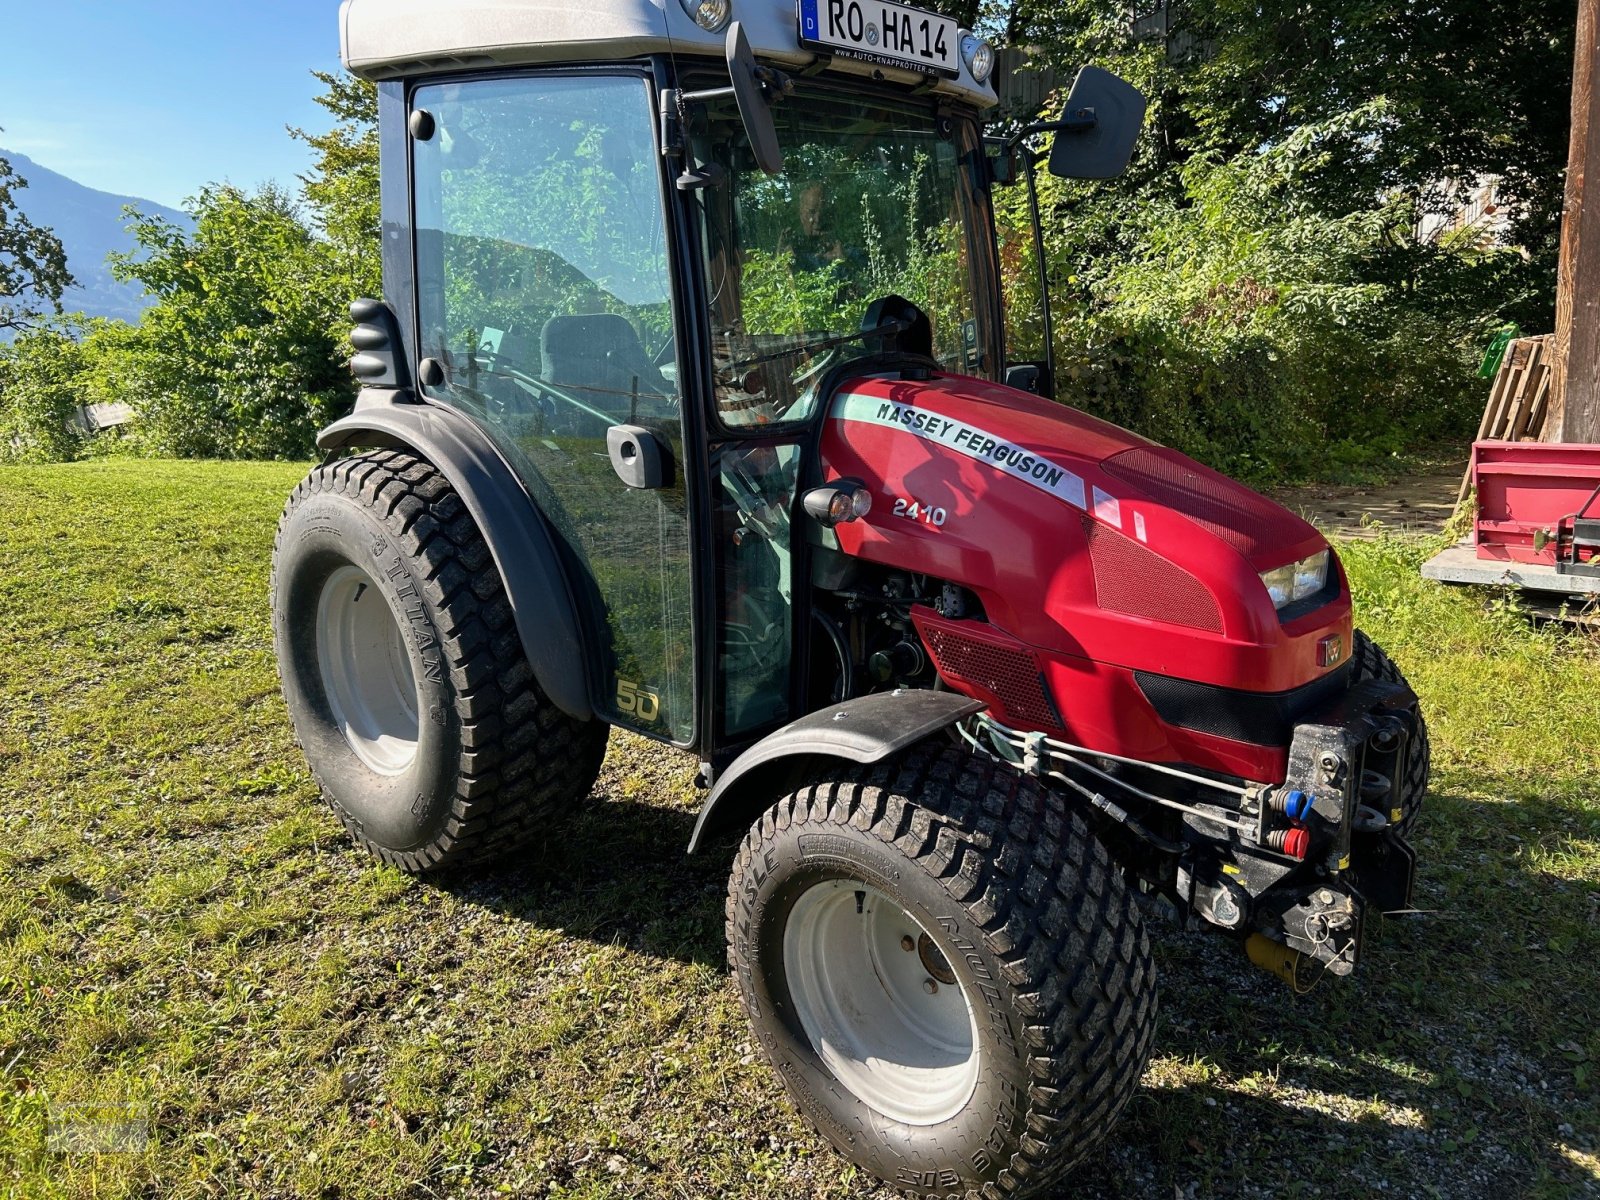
{"type": "Point", "coordinates": [237, 358]}
{"type": "Point", "coordinates": [1248, 325]}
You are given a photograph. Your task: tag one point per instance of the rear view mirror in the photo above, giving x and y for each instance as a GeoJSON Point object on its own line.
{"type": "Point", "coordinates": [751, 84]}
{"type": "Point", "coordinates": [1096, 134]}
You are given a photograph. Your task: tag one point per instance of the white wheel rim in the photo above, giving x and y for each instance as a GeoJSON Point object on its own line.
{"type": "Point", "coordinates": [366, 671]}
{"type": "Point", "coordinates": [864, 1001]}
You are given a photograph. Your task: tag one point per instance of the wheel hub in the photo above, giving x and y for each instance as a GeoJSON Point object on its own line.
{"type": "Point", "coordinates": [880, 1003]}
{"type": "Point", "coordinates": [366, 671]}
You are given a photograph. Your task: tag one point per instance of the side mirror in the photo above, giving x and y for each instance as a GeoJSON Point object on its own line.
{"type": "Point", "coordinates": [751, 87]}
{"type": "Point", "coordinates": [1096, 135]}
{"type": "Point", "coordinates": [1035, 377]}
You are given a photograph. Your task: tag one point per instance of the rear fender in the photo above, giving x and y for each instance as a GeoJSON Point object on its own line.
{"type": "Point", "coordinates": [516, 532]}
{"type": "Point", "coordinates": [864, 730]}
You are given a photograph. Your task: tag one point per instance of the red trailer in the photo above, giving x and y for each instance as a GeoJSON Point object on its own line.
{"type": "Point", "coordinates": [1537, 522]}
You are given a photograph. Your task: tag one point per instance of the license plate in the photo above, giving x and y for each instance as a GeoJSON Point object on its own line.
{"type": "Point", "coordinates": [883, 32]}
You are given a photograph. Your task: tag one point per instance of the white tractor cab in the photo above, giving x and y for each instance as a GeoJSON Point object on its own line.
{"type": "Point", "coordinates": [685, 411]}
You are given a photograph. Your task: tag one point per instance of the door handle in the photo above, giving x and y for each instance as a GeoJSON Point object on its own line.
{"type": "Point", "coordinates": [639, 457]}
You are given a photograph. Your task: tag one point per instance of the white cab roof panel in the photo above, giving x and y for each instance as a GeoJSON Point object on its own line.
{"type": "Point", "coordinates": [391, 39]}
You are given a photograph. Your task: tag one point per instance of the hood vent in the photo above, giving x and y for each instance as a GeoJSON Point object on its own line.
{"type": "Point", "coordinates": [1131, 579]}
{"type": "Point", "coordinates": [1251, 524]}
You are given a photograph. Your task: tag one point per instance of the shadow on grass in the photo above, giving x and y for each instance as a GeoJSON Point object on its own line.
{"type": "Point", "coordinates": [1449, 1062]}
{"type": "Point", "coordinates": [616, 874]}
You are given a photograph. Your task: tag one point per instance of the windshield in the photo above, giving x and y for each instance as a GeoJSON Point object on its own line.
{"type": "Point", "coordinates": [873, 201]}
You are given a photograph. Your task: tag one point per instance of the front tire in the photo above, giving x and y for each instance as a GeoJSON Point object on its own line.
{"type": "Point", "coordinates": [404, 674]}
{"type": "Point", "coordinates": [947, 971]}
{"type": "Point", "coordinates": [1371, 662]}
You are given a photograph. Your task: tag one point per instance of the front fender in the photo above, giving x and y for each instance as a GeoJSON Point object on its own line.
{"type": "Point", "coordinates": [541, 597]}
{"type": "Point", "coordinates": [864, 730]}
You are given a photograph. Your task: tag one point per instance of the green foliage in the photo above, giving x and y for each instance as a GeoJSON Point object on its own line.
{"type": "Point", "coordinates": [342, 188]}
{"type": "Point", "coordinates": [33, 266]}
{"type": "Point", "coordinates": [243, 351]}
{"type": "Point", "coordinates": [1254, 290]}
{"type": "Point", "coordinates": [40, 380]}
{"type": "Point", "coordinates": [1251, 327]}
{"type": "Point", "coordinates": [237, 358]}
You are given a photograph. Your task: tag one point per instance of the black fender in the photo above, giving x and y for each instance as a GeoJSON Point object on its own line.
{"type": "Point", "coordinates": [518, 536]}
{"type": "Point", "coordinates": [863, 730]}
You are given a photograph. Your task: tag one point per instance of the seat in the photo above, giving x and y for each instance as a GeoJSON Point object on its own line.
{"type": "Point", "coordinates": [598, 359]}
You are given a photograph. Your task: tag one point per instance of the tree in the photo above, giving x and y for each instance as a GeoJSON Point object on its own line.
{"type": "Point", "coordinates": [342, 186]}
{"type": "Point", "coordinates": [33, 265]}
{"type": "Point", "coordinates": [1470, 91]}
{"type": "Point", "coordinates": [243, 354]}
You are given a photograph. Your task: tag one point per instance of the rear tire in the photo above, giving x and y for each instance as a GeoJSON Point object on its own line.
{"type": "Point", "coordinates": [405, 676]}
{"type": "Point", "coordinates": [947, 971]}
{"type": "Point", "coordinates": [1372, 663]}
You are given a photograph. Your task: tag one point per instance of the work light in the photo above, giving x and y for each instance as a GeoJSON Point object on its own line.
{"type": "Point", "coordinates": [710, 15]}
{"type": "Point", "coordinates": [978, 55]}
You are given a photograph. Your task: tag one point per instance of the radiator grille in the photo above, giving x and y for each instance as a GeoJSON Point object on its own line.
{"type": "Point", "coordinates": [1130, 579]}
{"type": "Point", "coordinates": [1251, 524]}
{"type": "Point", "coordinates": [1007, 674]}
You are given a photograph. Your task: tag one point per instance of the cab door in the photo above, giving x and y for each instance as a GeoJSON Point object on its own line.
{"type": "Point", "coordinates": [545, 311]}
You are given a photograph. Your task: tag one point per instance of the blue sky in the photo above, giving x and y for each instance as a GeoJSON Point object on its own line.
{"type": "Point", "coordinates": [157, 99]}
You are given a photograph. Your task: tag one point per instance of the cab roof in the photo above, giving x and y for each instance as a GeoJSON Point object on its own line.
{"type": "Point", "coordinates": [396, 39]}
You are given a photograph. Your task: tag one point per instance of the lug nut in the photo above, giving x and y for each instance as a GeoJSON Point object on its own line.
{"type": "Point", "coordinates": [908, 943]}
{"type": "Point", "coordinates": [929, 986]}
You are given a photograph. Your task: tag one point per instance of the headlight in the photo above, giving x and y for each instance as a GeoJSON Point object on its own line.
{"type": "Point", "coordinates": [978, 55]}
{"type": "Point", "coordinates": [710, 15]}
{"type": "Point", "coordinates": [1297, 580]}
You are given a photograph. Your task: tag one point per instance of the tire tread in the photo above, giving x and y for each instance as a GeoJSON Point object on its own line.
{"type": "Point", "coordinates": [524, 763]}
{"type": "Point", "coordinates": [1053, 910]}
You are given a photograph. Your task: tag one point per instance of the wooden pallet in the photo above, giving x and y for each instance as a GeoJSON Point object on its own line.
{"type": "Point", "coordinates": [1519, 401]}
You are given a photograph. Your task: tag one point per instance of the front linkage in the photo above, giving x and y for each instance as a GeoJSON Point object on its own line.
{"type": "Point", "coordinates": [1293, 868]}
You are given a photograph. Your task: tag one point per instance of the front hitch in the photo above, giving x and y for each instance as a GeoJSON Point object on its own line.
{"type": "Point", "coordinates": [1326, 855]}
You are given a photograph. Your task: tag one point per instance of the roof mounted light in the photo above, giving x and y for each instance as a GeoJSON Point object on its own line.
{"type": "Point", "coordinates": [978, 55]}
{"type": "Point", "coordinates": [710, 15]}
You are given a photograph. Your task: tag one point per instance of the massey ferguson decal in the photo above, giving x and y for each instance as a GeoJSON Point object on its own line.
{"type": "Point", "coordinates": [982, 446]}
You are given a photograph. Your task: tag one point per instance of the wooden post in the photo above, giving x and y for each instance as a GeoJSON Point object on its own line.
{"type": "Point", "coordinates": [1575, 392]}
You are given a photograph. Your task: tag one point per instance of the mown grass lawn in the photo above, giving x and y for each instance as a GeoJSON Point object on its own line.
{"type": "Point", "coordinates": [187, 939]}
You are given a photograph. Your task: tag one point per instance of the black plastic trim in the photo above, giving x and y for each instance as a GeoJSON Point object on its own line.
{"type": "Point", "coordinates": [542, 600]}
{"type": "Point", "coordinates": [866, 729]}
{"type": "Point", "coordinates": [1306, 605]}
{"type": "Point", "coordinates": [1255, 718]}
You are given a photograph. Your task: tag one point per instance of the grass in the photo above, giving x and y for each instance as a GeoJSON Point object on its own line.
{"type": "Point", "coordinates": [189, 943]}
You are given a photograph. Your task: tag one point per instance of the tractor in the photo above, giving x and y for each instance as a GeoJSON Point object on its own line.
{"type": "Point", "coordinates": [688, 410]}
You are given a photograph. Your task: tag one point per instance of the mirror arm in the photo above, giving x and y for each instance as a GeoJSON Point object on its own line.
{"type": "Point", "coordinates": [707, 95]}
{"type": "Point", "coordinates": [1079, 122]}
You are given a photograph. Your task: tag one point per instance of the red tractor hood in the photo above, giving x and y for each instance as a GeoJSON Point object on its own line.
{"type": "Point", "coordinates": [1074, 533]}
{"type": "Point", "coordinates": [1088, 464]}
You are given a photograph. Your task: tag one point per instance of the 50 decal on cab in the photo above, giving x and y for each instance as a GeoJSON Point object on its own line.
{"type": "Point", "coordinates": [916, 510]}
{"type": "Point", "coordinates": [636, 701]}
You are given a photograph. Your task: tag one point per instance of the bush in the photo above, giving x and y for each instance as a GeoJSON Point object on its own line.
{"type": "Point", "coordinates": [1232, 318]}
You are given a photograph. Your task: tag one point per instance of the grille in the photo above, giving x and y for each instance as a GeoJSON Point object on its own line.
{"type": "Point", "coordinates": [1131, 579]}
{"type": "Point", "coordinates": [1251, 524]}
{"type": "Point", "coordinates": [993, 664]}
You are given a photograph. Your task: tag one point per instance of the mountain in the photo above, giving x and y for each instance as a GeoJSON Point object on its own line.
{"type": "Point", "coordinates": [90, 225]}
